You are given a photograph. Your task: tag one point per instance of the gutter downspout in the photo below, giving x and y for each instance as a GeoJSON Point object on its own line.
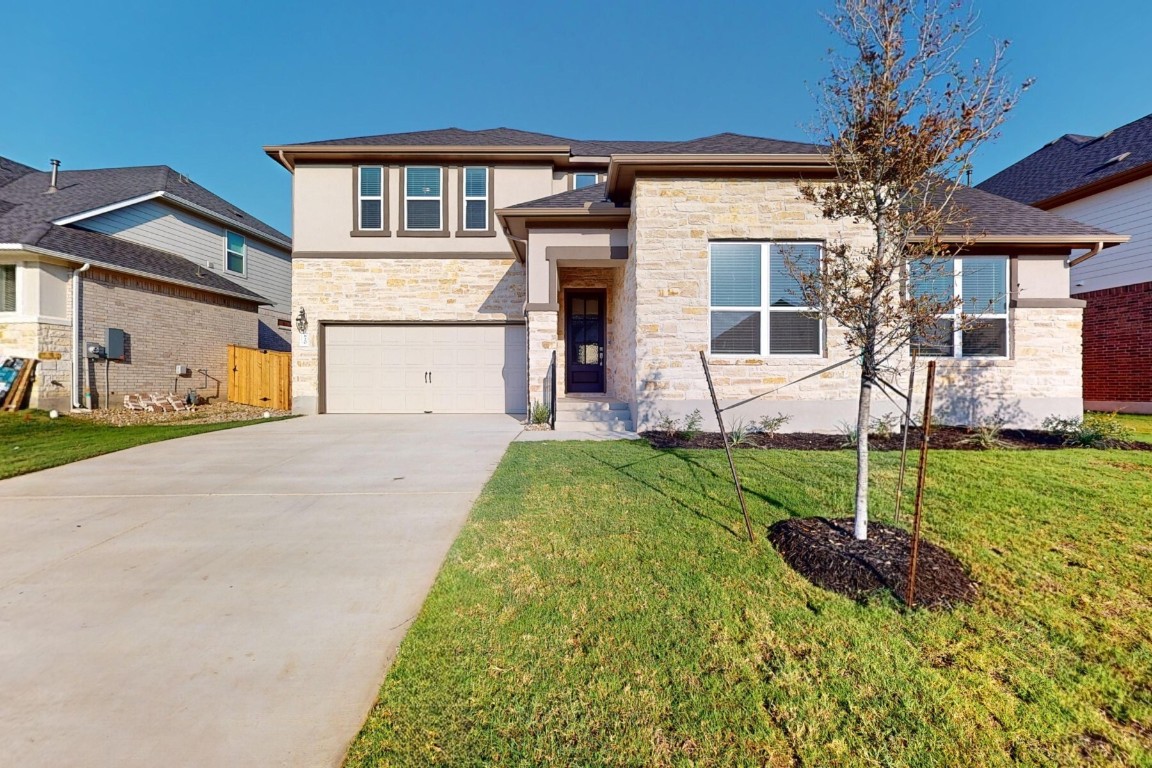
{"type": "Point", "coordinates": [76, 357]}
{"type": "Point", "coordinates": [1085, 256]}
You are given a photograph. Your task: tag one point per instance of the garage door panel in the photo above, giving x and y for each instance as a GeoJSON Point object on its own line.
{"type": "Point", "coordinates": [385, 369]}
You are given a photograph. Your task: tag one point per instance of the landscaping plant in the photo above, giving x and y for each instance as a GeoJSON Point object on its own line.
{"type": "Point", "coordinates": [901, 116]}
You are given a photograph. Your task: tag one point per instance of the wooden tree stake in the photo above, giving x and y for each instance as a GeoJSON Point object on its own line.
{"type": "Point", "coordinates": [919, 506]}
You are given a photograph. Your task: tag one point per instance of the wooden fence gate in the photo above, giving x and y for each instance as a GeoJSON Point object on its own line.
{"type": "Point", "coordinates": [260, 377]}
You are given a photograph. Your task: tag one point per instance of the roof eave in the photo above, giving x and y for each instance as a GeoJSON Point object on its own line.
{"type": "Point", "coordinates": [514, 221]}
{"type": "Point", "coordinates": [622, 169]}
{"type": "Point", "coordinates": [1108, 182]}
{"type": "Point", "coordinates": [74, 259]}
{"type": "Point", "coordinates": [289, 155]}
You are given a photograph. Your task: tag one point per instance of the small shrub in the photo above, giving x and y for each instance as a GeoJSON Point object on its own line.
{"type": "Point", "coordinates": [884, 426]}
{"type": "Point", "coordinates": [692, 424]}
{"type": "Point", "coordinates": [540, 413]}
{"type": "Point", "coordinates": [850, 433]}
{"type": "Point", "coordinates": [986, 436]}
{"type": "Point", "coordinates": [666, 424]}
{"type": "Point", "coordinates": [770, 425]}
{"type": "Point", "coordinates": [740, 434]}
{"type": "Point", "coordinates": [1095, 430]}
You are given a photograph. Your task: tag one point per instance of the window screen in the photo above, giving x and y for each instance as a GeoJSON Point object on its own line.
{"type": "Point", "coordinates": [423, 201]}
{"type": "Point", "coordinates": [371, 198]}
{"type": "Point", "coordinates": [237, 251]}
{"type": "Point", "coordinates": [7, 288]}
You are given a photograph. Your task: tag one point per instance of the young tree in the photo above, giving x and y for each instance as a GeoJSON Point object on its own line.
{"type": "Point", "coordinates": [901, 117]}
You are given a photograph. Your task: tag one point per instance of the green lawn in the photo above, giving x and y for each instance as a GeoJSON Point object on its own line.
{"type": "Point", "coordinates": [30, 441]}
{"type": "Point", "coordinates": [1139, 424]}
{"type": "Point", "coordinates": [602, 608]}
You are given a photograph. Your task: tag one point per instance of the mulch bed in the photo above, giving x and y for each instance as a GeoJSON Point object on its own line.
{"type": "Point", "coordinates": [947, 438]}
{"type": "Point", "coordinates": [827, 554]}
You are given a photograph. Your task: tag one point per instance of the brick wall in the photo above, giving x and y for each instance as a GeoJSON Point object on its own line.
{"type": "Point", "coordinates": [166, 326]}
{"type": "Point", "coordinates": [1118, 346]}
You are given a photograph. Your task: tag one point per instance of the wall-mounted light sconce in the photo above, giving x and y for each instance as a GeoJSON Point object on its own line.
{"type": "Point", "coordinates": [302, 321]}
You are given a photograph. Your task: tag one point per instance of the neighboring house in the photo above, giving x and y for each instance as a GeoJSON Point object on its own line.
{"type": "Point", "coordinates": [1105, 181]}
{"type": "Point", "coordinates": [440, 271]}
{"type": "Point", "coordinates": [181, 271]}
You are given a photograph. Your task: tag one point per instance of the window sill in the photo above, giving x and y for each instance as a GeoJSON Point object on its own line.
{"type": "Point", "coordinates": [729, 358]}
{"type": "Point", "coordinates": [423, 233]}
{"type": "Point", "coordinates": [370, 233]}
{"type": "Point", "coordinates": [230, 273]}
{"type": "Point", "coordinates": [476, 233]}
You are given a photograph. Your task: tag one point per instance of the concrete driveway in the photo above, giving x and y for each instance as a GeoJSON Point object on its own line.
{"type": "Point", "coordinates": [226, 599]}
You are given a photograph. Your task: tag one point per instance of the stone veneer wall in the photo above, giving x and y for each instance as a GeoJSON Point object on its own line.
{"type": "Point", "coordinates": [51, 346]}
{"type": "Point", "coordinates": [610, 279]}
{"type": "Point", "coordinates": [389, 290]}
{"type": "Point", "coordinates": [673, 222]}
{"type": "Point", "coordinates": [166, 325]}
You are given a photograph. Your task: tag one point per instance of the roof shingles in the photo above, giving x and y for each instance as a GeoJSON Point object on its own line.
{"type": "Point", "coordinates": [1074, 161]}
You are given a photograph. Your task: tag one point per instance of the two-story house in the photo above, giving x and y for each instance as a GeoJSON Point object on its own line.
{"type": "Point", "coordinates": [145, 251]}
{"type": "Point", "coordinates": [444, 271]}
{"type": "Point", "coordinates": [1105, 181]}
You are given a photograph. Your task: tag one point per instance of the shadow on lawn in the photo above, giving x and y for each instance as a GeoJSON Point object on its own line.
{"type": "Point", "coordinates": [705, 477]}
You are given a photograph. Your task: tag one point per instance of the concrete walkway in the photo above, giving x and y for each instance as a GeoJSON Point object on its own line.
{"type": "Point", "coordinates": [226, 599]}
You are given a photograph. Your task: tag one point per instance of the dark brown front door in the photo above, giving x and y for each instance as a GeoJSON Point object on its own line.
{"type": "Point", "coordinates": [585, 341]}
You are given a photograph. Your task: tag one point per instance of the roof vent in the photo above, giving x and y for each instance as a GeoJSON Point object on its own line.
{"type": "Point", "coordinates": [52, 182]}
{"type": "Point", "coordinates": [1116, 159]}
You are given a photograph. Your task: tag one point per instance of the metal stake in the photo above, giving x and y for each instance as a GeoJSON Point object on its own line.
{"type": "Point", "coordinates": [904, 447]}
{"type": "Point", "coordinates": [919, 505]}
{"type": "Point", "coordinates": [727, 449]}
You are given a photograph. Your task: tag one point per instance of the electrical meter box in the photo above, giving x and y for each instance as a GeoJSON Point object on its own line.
{"type": "Point", "coordinates": [114, 344]}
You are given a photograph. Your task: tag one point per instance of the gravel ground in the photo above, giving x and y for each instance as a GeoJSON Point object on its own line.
{"type": "Point", "coordinates": [204, 414]}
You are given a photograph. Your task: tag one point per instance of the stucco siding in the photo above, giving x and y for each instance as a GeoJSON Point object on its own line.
{"type": "Point", "coordinates": [1126, 210]}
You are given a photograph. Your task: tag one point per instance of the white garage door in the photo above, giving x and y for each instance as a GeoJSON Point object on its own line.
{"type": "Point", "coordinates": [418, 368]}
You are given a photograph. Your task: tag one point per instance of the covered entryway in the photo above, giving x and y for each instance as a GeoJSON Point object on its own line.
{"type": "Point", "coordinates": [423, 368]}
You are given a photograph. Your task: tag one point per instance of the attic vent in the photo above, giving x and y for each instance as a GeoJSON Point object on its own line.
{"type": "Point", "coordinates": [238, 214]}
{"type": "Point", "coordinates": [1116, 159]}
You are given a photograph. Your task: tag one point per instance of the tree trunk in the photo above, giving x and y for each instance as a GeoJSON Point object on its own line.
{"type": "Point", "coordinates": [863, 421]}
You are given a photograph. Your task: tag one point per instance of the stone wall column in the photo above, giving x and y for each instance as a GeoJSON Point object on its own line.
{"type": "Point", "coordinates": [541, 344]}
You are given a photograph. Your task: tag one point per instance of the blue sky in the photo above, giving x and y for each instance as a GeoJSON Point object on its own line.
{"type": "Point", "coordinates": [203, 85]}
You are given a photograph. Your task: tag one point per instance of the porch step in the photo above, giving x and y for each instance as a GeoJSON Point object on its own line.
{"type": "Point", "coordinates": [618, 425]}
{"type": "Point", "coordinates": [593, 414]}
{"type": "Point", "coordinates": [564, 404]}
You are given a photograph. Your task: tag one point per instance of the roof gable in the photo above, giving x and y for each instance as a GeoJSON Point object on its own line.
{"type": "Point", "coordinates": [1074, 162]}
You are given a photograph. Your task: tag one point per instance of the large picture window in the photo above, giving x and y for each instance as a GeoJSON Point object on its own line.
{"type": "Point", "coordinates": [422, 199]}
{"type": "Point", "coordinates": [756, 306]}
{"type": "Point", "coordinates": [979, 326]}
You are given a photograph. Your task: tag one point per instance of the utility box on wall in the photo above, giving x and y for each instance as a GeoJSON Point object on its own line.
{"type": "Point", "coordinates": [114, 344]}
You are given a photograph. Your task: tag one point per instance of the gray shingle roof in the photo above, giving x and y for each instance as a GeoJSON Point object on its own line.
{"type": "Point", "coordinates": [81, 191]}
{"type": "Point", "coordinates": [574, 198]}
{"type": "Point", "coordinates": [720, 143]}
{"type": "Point", "coordinates": [985, 214]}
{"type": "Point", "coordinates": [27, 211]}
{"type": "Point", "coordinates": [990, 214]}
{"type": "Point", "coordinates": [1073, 161]}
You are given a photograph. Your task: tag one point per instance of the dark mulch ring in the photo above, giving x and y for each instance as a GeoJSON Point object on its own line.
{"type": "Point", "coordinates": [827, 554]}
{"type": "Point", "coordinates": [948, 438]}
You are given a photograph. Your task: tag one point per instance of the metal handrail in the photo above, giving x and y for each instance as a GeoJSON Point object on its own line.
{"type": "Point", "coordinates": [552, 405]}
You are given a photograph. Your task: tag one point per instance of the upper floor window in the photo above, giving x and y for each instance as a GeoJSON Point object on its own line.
{"type": "Point", "coordinates": [756, 304]}
{"type": "Point", "coordinates": [581, 180]}
{"type": "Point", "coordinates": [476, 199]}
{"type": "Point", "coordinates": [423, 200]}
{"type": "Point", "coordinates": [370, 189]}
{"type": "Point", "coordinates": [236, 253]}
{"type": "Point", "coordinates": [979, 326]}
{"type": "Point", "coordinates": [7, 287]}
